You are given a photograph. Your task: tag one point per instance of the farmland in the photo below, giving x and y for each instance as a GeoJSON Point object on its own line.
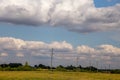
{"type": "Point", "coordinates": [56, 75]}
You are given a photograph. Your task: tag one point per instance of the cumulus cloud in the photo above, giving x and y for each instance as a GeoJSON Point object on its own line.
{"type": "Point", "coordinates": [85, 49]}
{"type": "Point", "coordinates": [102, 50]}
{"type": "Point", "coordinates": [20, 55]}
{"type": "Point", "coordinates": [18, 50]}
{"type": "Point", "coordinates": [110, 50]}
{"type": "Point", "coordinates": [74, 15]}
{"type": "Point", "coordinates": [19, 47]}
{"type": "Point", "coordinates": [13, 49]}
{"type": "Point", "coordinates": [3, 54]}
{"type": "Point", "coordinates": [102, 54]}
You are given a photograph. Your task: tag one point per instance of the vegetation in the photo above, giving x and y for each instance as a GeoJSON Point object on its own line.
{"type": "Point", "coordinates": [56, 75]}
{"type": "Point", "coordinates": [17, 71]}
{"type": "Point", "coordinates": [16, 67]}
{"type": "Point", "coordinates": [71, 68]}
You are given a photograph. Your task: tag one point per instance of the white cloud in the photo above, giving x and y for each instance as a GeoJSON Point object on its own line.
{"type": "Point", "coordinates": [61, 45]}
{"type": "Point", "coordinates": [17, 45]}
{"type": "Point", "coordinates": [11, 43]}
{"type": "Point", "coordinates": [75, 15]}
{"type": "Point", "coordinates": [82, 58]}
{"type": "Point", "coordinates": [63, 51]}
{"type": "Point", "coordinates": [102, 50]}
{"type": "Point", "coordinates": [3, 54]}
{"type": "Point", "coordinates": [20, 55]}
{"type": "Point", "coordinates": [85, 49]}
{"type": "Point", "coordinates": [110, 50]}
{"type": "Point", "coordinates": [103, 54]}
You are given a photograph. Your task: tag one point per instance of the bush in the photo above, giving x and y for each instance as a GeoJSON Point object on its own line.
{"type": "Point", "coordinates": [60, 68]}
{"type": "Point", "coordinates": [115, 71]}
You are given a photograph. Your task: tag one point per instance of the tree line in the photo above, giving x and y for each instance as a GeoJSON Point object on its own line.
{"type": "Point", "coordinates": [27, 67]}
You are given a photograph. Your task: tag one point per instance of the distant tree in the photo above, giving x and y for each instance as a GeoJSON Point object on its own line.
{"type": "Point", "coordinates": [116, 71]}
{"type": "Point", "coordinates": [42, 66]}
{"type": "Point", "coordinates": [14, 65]}
{"type": "Point", "coordinates": [4, 65]}
{"type": "Point", "coordinates": [80, 67]}
{"type": "Point", "coordinates": [91, 68]}
{"type": "Point", "coordinates": [70, 67]}
{"type": "Point", "coordinates": [27, 67]}
{"type": "Point", "coordinates": [47, 67]}
{"type": "Point", "coordinates": [26, 64]}
{"type": "Point", "coordinates": [60, 68]}
{"type": "Point", "coordinates": [35, 66]}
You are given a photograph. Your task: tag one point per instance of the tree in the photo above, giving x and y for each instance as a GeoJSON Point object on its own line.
{"type": "Point", "coordinates": [70, 67]}
{"type": "Point", "coordinates": [14, 65]}
{"type": "Point", "coordinates": [91, 68]}
{"type": "Point", "coordinates": [42, 66]}
{"type": "Point", "coordinates": [4, 65]}
{"type": "Point", "coordinates": [60, 68]}
{"type": "Point", "coordinates": [26, 64]}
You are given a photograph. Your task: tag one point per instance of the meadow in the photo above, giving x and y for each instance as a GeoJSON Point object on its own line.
{"type": "Point", "coordinates": [56, 75]}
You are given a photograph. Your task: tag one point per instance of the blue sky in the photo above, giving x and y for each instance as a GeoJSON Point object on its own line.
{"type": "Point", "coordinates": [106, 3]}
{"type": "Point", "coordinates": [74, 35]}
{"type": "Point", "coordinates": [50, 34]}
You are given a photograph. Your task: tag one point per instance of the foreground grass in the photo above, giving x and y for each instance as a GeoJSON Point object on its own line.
{"type": "Point", "coordinates": [47, 75]}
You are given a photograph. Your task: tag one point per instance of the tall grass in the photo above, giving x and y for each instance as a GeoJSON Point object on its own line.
{"type": "Point", "coordinates": [47, 75]}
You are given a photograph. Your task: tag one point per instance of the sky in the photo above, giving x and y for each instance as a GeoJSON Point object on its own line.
{"type": "Point", "coordinates": [87, 29]}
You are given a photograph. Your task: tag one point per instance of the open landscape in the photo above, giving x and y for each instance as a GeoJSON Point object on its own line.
{"type": "Point", "coordinates": [59, 39]}
{"type": "Point", "coordinates": [48, 75]}
{"type": "Point", "coordinates": [17, 71]}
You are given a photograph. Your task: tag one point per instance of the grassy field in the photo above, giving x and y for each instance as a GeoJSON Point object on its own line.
{"type": "Point", "coordinates": [47, 75]}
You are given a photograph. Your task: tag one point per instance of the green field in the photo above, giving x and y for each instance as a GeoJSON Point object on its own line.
{"type": "Point", "coordinates": [47, 75]}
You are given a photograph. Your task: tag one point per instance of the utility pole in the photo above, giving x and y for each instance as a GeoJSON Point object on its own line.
{"type": "Point", "coordinates": [90, 65]}
{"type": "Point", "coordinates": [77, 63]}
{"type": "Point", "coordinates": [109, 67]}
{"type": "Point", "coordinates": [77, 60]}
{"type": "Point", "coordinates": [52, 60]}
